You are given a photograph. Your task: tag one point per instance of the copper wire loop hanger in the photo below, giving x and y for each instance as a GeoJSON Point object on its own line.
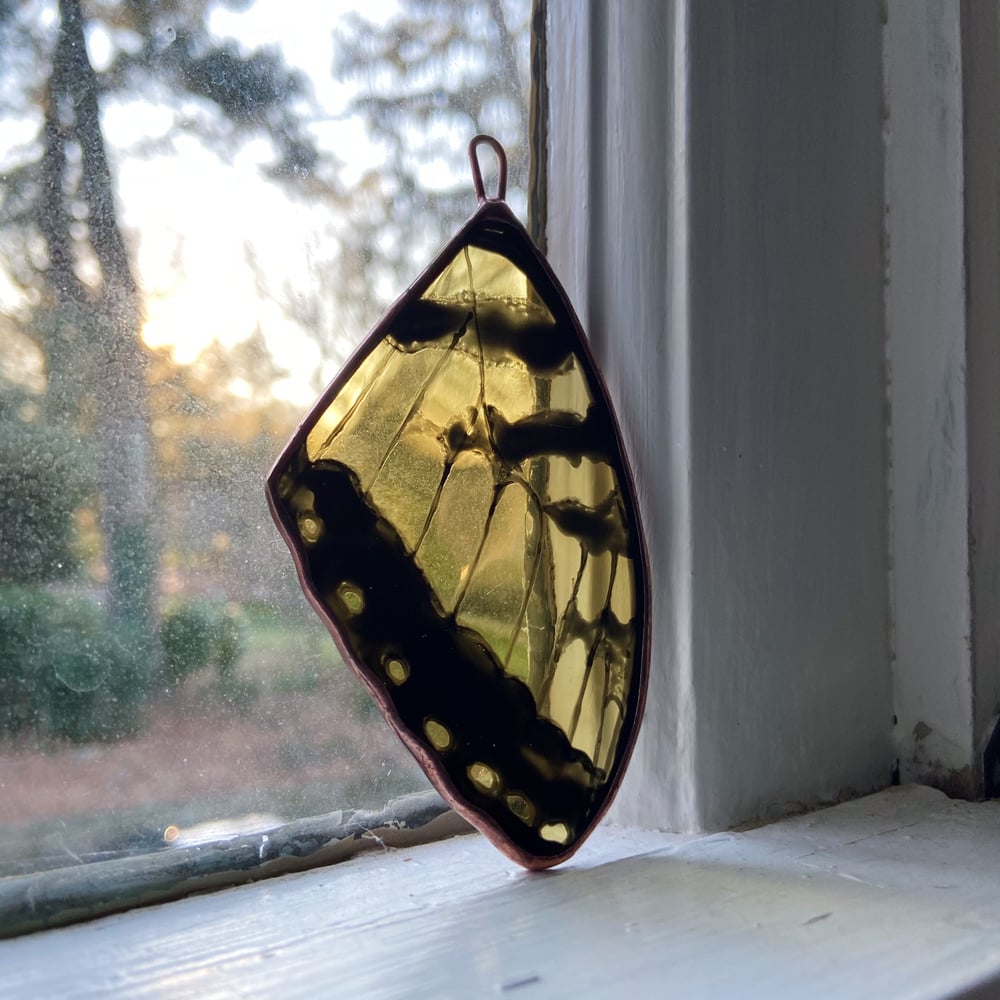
{"type": "Point", "coordinates": [477, 175]}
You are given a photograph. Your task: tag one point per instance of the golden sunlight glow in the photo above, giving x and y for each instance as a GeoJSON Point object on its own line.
{"type": "Point", "coordinates": [196, 218]}
{"type": "Point", "coordinates": [195, 315]}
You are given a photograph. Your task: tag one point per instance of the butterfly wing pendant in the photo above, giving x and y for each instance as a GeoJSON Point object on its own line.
{"type": "Point", "coordinates": [463, 518]}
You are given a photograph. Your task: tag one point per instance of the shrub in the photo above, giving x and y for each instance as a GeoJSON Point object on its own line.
{"type": "Point", "coordinates": [100, 680]}
{"type": "Point", "coordinates": [194, 636]}
{"type": "Point", "coordinates": [24, 613]}
{"type": "Point", "coordinates": [186, 641]}
{"type": "Point", "coordinates": [65, 671]}
{"type": "Point", "coordinates": [46, 475]}
{"type": "Point", "coordinates": [229, 645]}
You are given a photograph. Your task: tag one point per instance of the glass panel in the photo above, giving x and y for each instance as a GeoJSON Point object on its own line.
{"type": "Point", "coordinates": [203, 207]}
{"type": "Point", "coordinates": [460, 508]}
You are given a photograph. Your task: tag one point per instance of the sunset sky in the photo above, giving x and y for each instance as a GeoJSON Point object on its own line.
{"type": "Point", "coordinates": [194, 215]}
{"type": "Point", "coordinates": [191, 218]}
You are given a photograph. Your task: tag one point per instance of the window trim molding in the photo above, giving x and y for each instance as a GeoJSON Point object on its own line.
{"type": "Point", "coordinates": [63, 896]}
{"type": "Point", "coordinates": [683, 170]}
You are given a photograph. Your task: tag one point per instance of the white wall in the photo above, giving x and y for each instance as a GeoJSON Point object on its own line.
{"type": "Point", "coordinates": [721, 191]}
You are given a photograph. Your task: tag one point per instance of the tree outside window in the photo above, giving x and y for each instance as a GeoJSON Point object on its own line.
{"type": "Point", "coordinates": [203, 207]}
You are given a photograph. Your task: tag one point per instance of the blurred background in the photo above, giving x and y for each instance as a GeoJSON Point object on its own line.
{"type": "Point", "coordinates": [204, 206]}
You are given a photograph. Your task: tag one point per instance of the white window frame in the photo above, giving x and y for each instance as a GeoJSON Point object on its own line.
{"type": "Point", "coordinates": [776, 690]}
{"type": "Point", "coordinates": [817, 454]}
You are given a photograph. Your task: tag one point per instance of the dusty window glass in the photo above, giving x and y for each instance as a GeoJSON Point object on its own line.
{"type": "Point", "coordinates": [203, 208]}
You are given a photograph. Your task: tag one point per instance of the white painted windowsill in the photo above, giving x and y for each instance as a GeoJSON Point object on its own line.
{"type": "Point", "coordinates": [893, 895]}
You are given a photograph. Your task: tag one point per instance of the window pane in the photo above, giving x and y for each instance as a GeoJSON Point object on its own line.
{"type": "Point", "coordinates": [204, 208]}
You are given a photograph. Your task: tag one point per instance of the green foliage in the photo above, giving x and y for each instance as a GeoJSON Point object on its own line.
{"type": "Point", "coordinates": [100, 684]}
{"type": "Point", "coordinates": [79, 306]}
{"type": "Point", "coordinates": [65, 671]}
{"type": "Point", "coordinates": [44, 479]}
{"type": "Point", "coordinates": [229, 645]}
{"type": "Point", "coordinates": [68, 673]}
{"type": "Point", "coordinates": [132, 563]}
{"type": "Point", "coordinates": [195, 635]}
{"type": "Point", "coordinates": [186, 640]}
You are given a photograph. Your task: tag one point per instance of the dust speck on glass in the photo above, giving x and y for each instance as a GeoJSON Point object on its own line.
{"type": "Point", "coordinates": [462, 515]}
{"type": "Point", "coordinates": [202, 205]}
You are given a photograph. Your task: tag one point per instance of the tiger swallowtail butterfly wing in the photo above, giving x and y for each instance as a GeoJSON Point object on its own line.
{"type": "Point", "coordinates": [463, 518]}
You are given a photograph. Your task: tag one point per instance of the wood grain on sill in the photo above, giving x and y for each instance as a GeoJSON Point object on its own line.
{"type": "Point", "coordinates": [894, 895]}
